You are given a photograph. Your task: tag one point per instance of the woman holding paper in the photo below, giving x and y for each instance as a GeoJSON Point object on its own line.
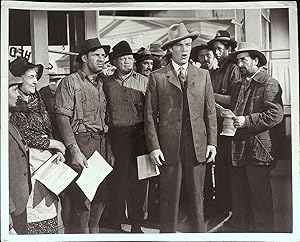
{"type": "Point", "coordinates": [33, 123]}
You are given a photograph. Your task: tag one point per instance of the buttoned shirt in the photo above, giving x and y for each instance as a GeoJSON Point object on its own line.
{"type": "Point", "coordinates": [125, 99]}
{"type": "Point", "coordinates": [177, 67]}
{"type": "Point", "coordinates": [81, 97]}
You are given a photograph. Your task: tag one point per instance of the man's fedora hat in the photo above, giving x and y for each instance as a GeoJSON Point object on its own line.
{"type": "Point", "coordinates": [195, 50]}
{"type": "Point", "coordinates": [14, 80]}
{"type": "Point", "coordinates": [142, 54]}
{"type": "Point", "coordinates": [223, 35]}
{"type": "Point", "coordinates": [90, 45]}
{"type": "Point", "coordinates": [20, 65]}
{"type": "Point", "coordinates": [249, 47]}
{"type": "Point", "coordinates": [120, 49]}
{"type": "Point", "coordinates": [178, 32]}
{"type": "Point", "coordinates": [155, 48]}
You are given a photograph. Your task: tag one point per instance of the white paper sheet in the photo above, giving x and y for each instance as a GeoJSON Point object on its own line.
{"type": "Point", "coordinates": [146, 167]}
{"type": "Point", "coordinates": [56, 177]}
{"type": "Point", "coordinates": [92, 176]}
{"type": "Point", "coordinates": [227, 114]}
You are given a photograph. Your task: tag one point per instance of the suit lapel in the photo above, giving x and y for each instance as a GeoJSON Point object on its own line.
{"type": "Point", "coordinates": [191, 76]}
{"type": "Point", "coordinates": [172, 77]}
{"type": "Point", "coordinates": [14, 133]}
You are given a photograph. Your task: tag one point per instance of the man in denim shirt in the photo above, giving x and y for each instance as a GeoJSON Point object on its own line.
{"type": "Point", "coordinates": [125, 93]}
{"type": "Point", "coordinates": [80, 109]}
{"type": "Point", "coordinates": [256, 102]}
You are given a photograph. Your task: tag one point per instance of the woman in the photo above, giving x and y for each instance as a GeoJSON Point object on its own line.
{"type": "Point", "coordinates": [33, 123]}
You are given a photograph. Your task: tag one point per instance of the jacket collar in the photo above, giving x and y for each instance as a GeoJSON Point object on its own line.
{"type": "Point", "coordinates": [173, 79]}
{"type": "Point", "coordinates": [260, 76]}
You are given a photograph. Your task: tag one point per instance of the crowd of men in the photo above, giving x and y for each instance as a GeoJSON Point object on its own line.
{"type": "Point", "coordinates": [161, 101]}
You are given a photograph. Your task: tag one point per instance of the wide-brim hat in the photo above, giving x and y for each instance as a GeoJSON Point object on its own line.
{"type": "Point", "coordinates": [223, 35]}
{"type": "Point", "coordinates": [142, 54]}
{"type": "Point", "coordinates": [155, 48]}
{"type": "Point", "coordinates": [178, 32]}
{"type": "Point", "coordinates": [14, 80]}
{"type": "Point", "coordinates": [20, 65]}
{"type": "Point", "coordinates": [249, 47]}
{"type": "Point", "coordinates": [90, 45]}
{"type": "Point", "coordinates": [195, 50]}
{"type": "Point", "coordinates": [120, 49]}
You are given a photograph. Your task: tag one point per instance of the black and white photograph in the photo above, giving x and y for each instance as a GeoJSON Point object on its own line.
{"type": "Point", "coordinates": [149, 121]}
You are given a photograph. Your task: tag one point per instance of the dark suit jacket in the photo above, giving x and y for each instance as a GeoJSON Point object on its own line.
{"type": "Point", "coordinates": [19, 173]}
{"type": "Point", "coordinates": [164, 107]}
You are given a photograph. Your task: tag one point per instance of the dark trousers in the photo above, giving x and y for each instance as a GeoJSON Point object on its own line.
{"type": "Point", "coordinates": [252, 202]}
{"type": "Point", "coordinates": [127, 143]}
{"type": "Point", "coordinates": [20, 223]}
{"type": "Point", "coordinates": [85, 215]}
{"type": "Point", "coordinates": [222, 175]}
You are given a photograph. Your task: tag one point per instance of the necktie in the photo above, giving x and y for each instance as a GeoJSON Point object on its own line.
{"type": "Point", "coordinates": [182, 77]}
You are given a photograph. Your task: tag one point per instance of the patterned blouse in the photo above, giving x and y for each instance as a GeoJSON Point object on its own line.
{"type": "Point", "coordinates": [32, 121]}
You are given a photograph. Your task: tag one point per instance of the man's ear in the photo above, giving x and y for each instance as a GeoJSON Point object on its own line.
{"type": "Point", "coordinates": [84, 58]}
{"type": "Point", "coordinates": [256, 59]}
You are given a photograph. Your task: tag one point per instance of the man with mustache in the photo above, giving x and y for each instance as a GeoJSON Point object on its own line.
{"type": "Point", "coordinates": [144, 61]}
{"type": "Point", "coordinates": [257, 104]}
{"type": "Point", "coordinates": [125, 93]}
{"type": "Point", "coordinates": [181, 131]}
{"type": "Point", "coordinates": [80, 108]}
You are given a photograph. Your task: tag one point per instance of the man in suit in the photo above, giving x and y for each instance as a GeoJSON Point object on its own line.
{"type": "Point", "coordinates": [19, 173]}
{"type": "Point", "coordinates": [181, 131]}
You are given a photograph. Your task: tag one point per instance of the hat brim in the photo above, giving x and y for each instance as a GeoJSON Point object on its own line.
{"type": "Point", "coordinates": [105, 47]}
{"type": "Point", "coordinates": [231, 42]}
{"type": "Point", "coordinates": [142, 58]}
{"type": "Point", "coordinates": [158, 53]}
{"type": "Point", "coordinates": [262, 58]}
{"type": "Point", "coordinates": [192, 35]}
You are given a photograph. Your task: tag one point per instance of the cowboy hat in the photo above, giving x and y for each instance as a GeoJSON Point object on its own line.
{"type": "Point", "coordinates": [155, 48]}
{"type": "Point", "coordinates": [120, 49]}
{"type": "Point", "coordinates": [142, 54]}
{"type": "Point", "coordinates": [20, 65]}
{"type": "Point", "coordinates": [195, 50]}
{"type": "Point", "coordinates": [89, 45]}
{"type": "Point", "coordinates": [223, 35]}
{"type": "Point", "coordinates": [13, 80]}
{"type": "Point", "coordinates": [178, 32]}
{"type": "Point", "coordinates": [249, 47]}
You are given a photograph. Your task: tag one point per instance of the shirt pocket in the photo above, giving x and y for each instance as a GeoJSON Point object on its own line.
{"type": "Point", "coordinates": [89, 101]}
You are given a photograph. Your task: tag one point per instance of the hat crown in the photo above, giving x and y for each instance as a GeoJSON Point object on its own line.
{"type": "Point", "coordinates": [155, 48]}
{"type": "Point", "coordinates": [177, 31]}
{"type": "Point", "coordinates": [143, 51]}
{"type": "Point", "coordinates": [247, 46]}
{"type": "Point", "coordinates": [223, 34]}
{"type": "Point", "coordinates": [20, 65]}
{"type": "Point", "coordinates": [89, 44]}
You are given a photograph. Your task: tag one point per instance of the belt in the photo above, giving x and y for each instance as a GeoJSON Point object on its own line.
{"type": "Point", "coordinates": [135, 126]}
{"type": "Point", "coordinates": [91, 133]}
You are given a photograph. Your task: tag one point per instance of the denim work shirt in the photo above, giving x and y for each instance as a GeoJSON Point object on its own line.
{"type": "Point", "coordinates": [82, 99]}
{"type": "Point", "coordinates": [125, 99]}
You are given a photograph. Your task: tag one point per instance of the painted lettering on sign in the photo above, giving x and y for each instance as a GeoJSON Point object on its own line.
{"type": "Point", "coordinates": [18, 51]}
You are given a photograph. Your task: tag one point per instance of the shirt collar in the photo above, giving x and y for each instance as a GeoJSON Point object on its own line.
{"type": "Point", "coordinates": [132, 73]}
{"type": "Point", "coordinates": [92, 78]}
{"type": "Point", "coordinates": [176, 66]}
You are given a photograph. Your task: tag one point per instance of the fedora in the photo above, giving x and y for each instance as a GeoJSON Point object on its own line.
{"type": "Point", "coordinates": [120, 49]}
{"type": "Point", "coordinates": [155, 48]}
{"type": "Point", "coordinates": [195, 50]}
{"type": "Point", "coordinates": [223, 35]}
{"type": "Point", "coordinates": [142, 54]}
{"type": "Point", "coordinates": [89, 45]}
{"type": "Point", "coordinates": [178, 32]}
{"type": "Point", "coordinates": [249, 47]}
{"type": "Point", "coordinates": [20, 65]}
{"type": "Point", "coordinates": [14, 80]}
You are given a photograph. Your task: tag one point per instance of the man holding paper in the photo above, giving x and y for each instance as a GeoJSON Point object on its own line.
{"type": "Point", "coordinates": [257, 105]}
{"type": "Point", "coordinates": [80, 109]}
{"type": "Point", "coordinates": [181, 131]}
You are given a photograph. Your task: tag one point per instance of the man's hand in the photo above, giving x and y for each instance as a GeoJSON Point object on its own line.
{"type": "Point", "coordinates": [211, 152]}
{"type": "Point", "coordinates": [78, 160]}
{"type": "Point", "coordinates": [57, 145]}
{"type": "Point", "coordinates": [156, 156]}
{"type": "Point", "coordinates": [239, 122]}
{"type": "Point", "coordinates": [60, 157]}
